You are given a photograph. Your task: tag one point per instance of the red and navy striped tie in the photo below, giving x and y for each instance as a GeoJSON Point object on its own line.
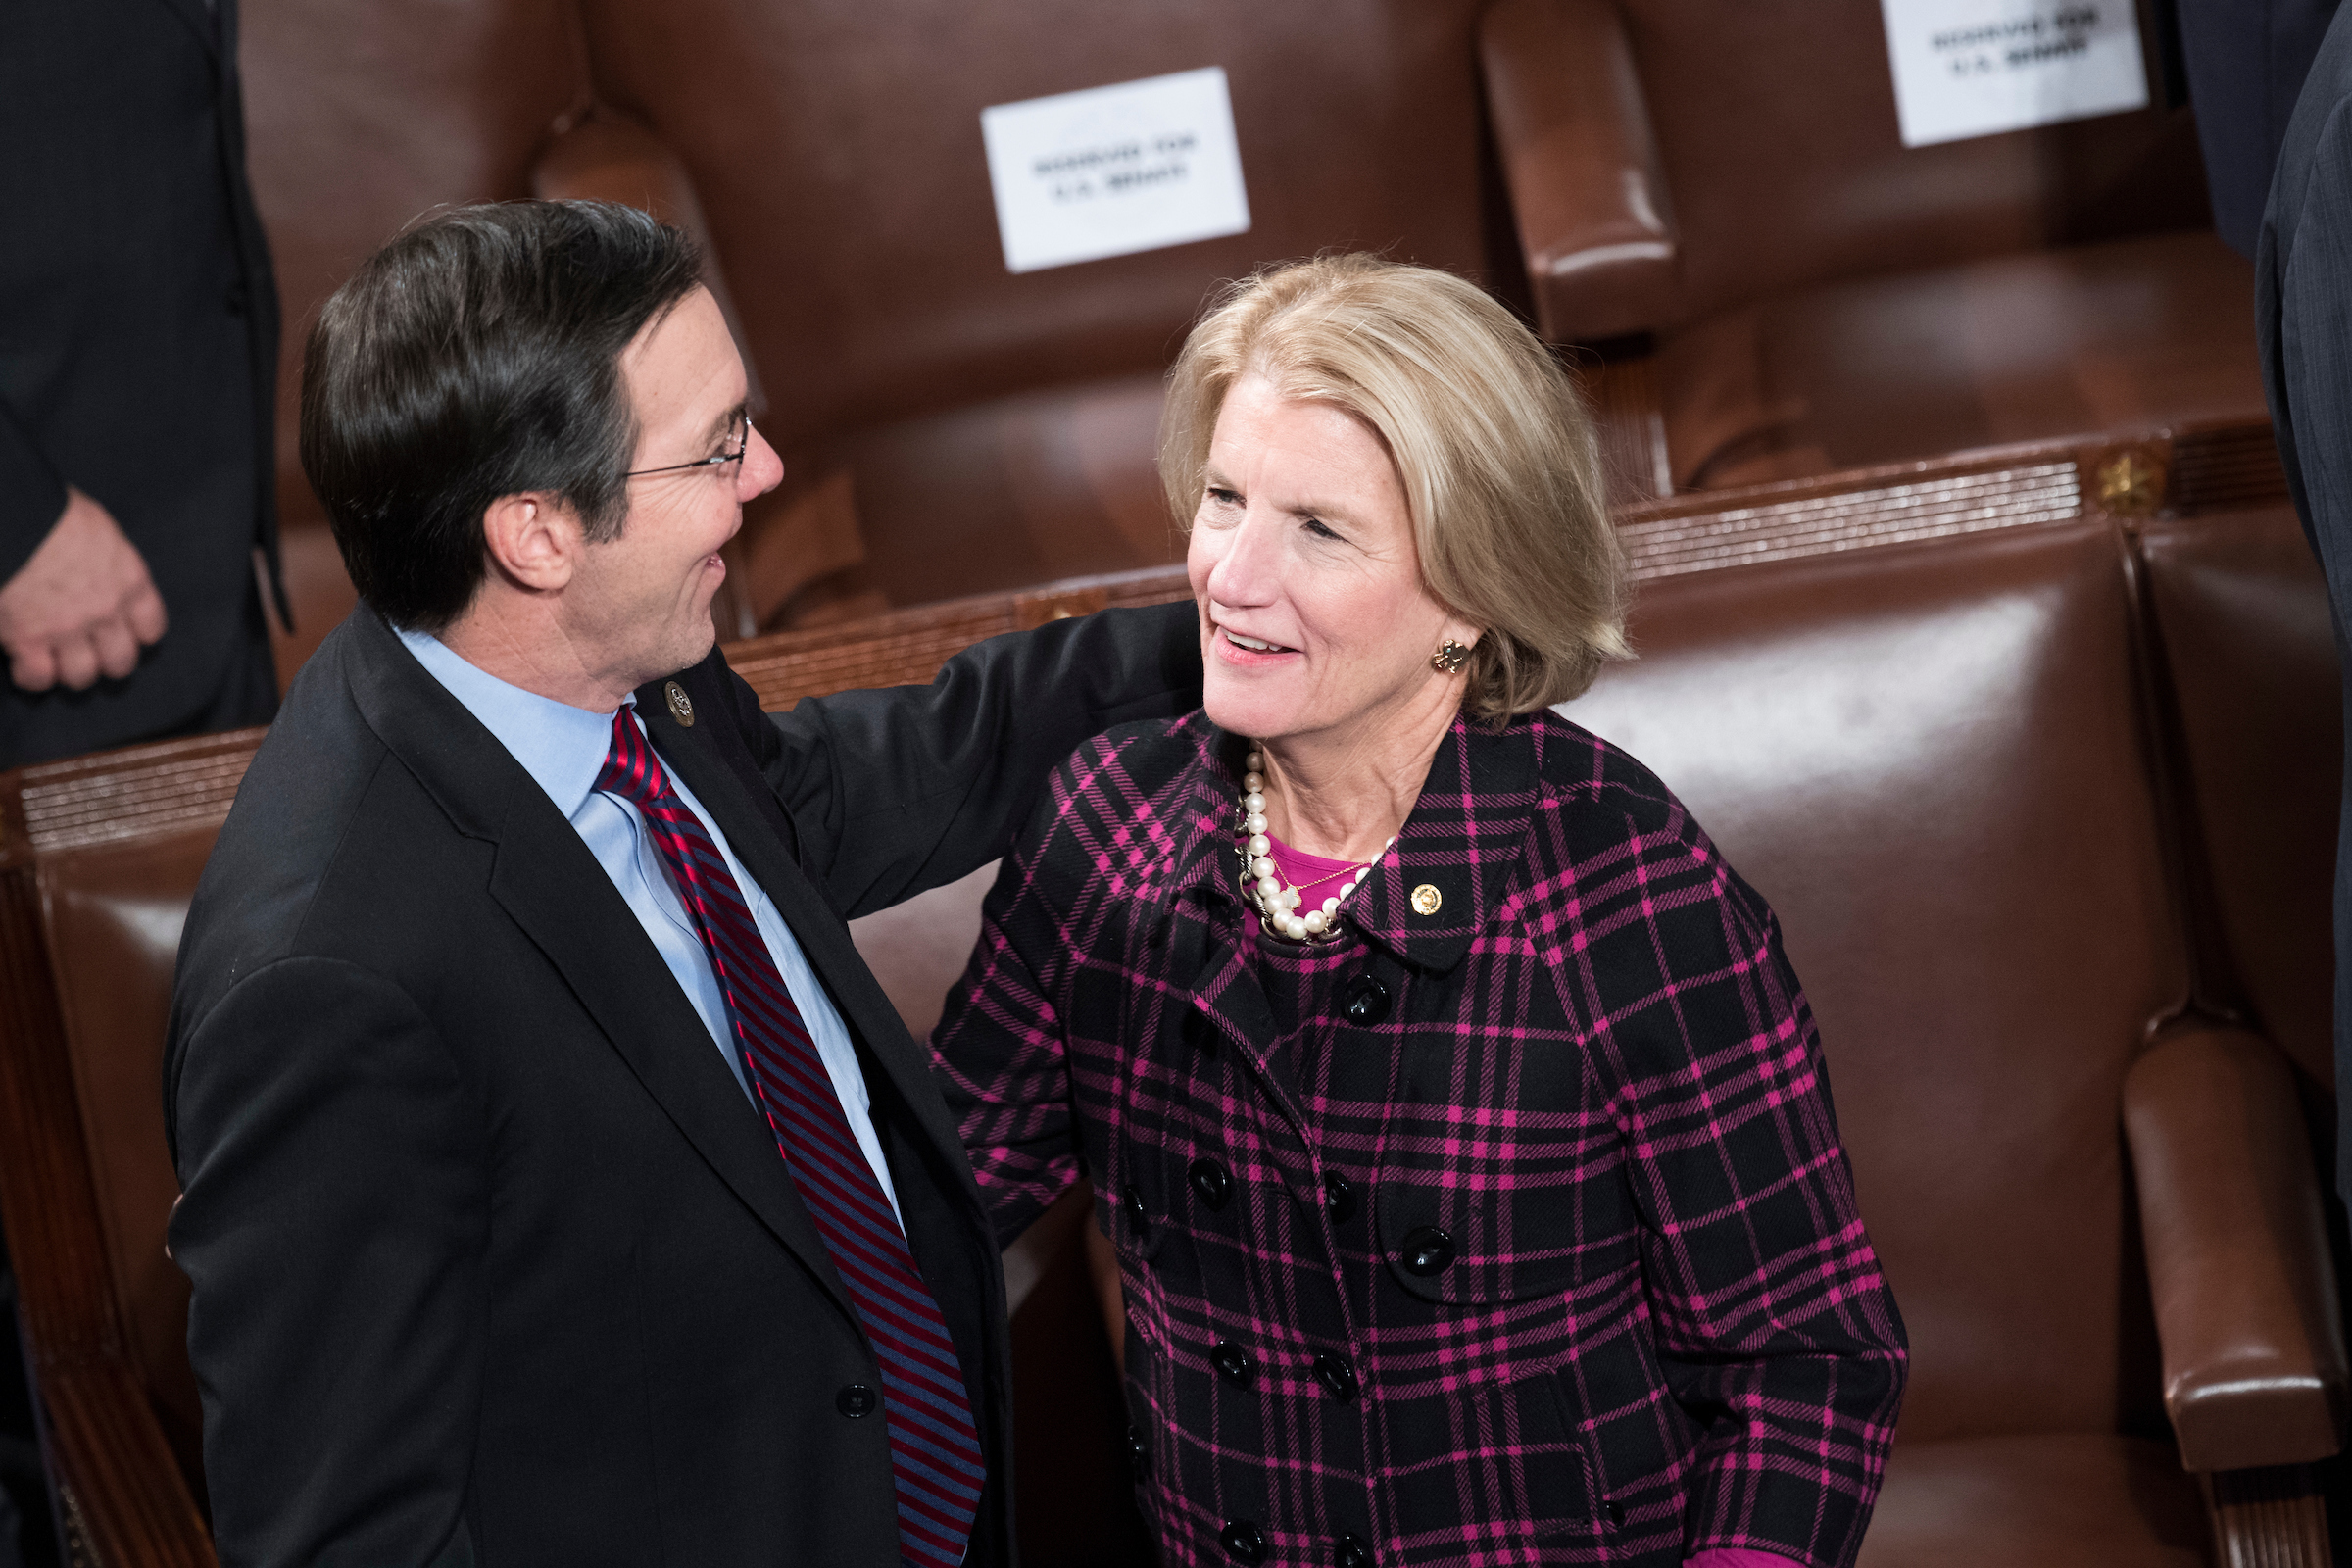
{"type": "Point", "coordinates": [934, 1448]}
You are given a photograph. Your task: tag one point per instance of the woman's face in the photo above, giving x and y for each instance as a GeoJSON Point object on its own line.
{"type": "Point", "coordinates": [1314, 623]}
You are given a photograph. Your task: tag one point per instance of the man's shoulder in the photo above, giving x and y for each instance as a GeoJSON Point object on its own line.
{"type": "Point", "coordinates": [327, 822]}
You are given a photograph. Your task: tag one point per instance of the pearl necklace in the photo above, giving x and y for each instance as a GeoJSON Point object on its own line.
{"type": "Point", "coordinates": [1261, 885]}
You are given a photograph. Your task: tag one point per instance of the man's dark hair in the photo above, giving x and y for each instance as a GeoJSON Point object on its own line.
{"type": "Point", "coordinates": [478, 356]}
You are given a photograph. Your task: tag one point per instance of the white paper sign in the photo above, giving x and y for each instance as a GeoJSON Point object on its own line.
{"type": "Point", "coordinates": [1970, 67]}
{"type": "Point", "coordinates": [1113, 170]}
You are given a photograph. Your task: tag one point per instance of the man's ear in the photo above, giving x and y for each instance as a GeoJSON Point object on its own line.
{"type": "Point", "coordinates": [534, 540]}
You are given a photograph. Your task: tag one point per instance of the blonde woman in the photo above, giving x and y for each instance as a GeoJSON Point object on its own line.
{"type": "Point", "coordinates": [1460, 1125]}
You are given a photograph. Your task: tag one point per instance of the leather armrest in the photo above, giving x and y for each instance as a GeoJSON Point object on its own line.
{"type": "Point", "coordinates": [2237, 1252]}
{"type": "Point", "coordinates": [1582, 167]}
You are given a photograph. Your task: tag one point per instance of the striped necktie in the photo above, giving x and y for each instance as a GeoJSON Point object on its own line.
{"type": "Point", "coordinates": [934, 1448]}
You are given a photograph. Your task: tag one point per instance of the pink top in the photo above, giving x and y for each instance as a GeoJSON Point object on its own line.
{"type": "Point", "coordinates": [1317, 879]}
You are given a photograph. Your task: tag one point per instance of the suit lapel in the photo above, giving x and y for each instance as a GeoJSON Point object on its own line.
{"type": "Point", "coordinates": [546, 880]}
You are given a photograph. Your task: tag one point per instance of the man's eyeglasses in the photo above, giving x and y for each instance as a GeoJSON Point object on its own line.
{"type": "Point", "coordinates": [739, 440]}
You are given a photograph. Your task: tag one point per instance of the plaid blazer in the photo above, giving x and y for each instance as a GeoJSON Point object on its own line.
{"type": "Point", "coordinates": [1517, 1231]}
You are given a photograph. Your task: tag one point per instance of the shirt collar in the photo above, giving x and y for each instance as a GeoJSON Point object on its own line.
{"type": "Point", "coordinates": [562, 748]}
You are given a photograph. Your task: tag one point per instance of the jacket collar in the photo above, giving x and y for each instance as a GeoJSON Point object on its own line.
{"type": "Point", "coordinates": [1460, 844]}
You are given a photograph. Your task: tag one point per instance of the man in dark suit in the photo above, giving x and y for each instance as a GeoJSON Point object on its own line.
{"type": "Point", "coordinates": [138, 357]}
{"type": "Point", "coordinates": [2303, 316]}
{"type": "Point", "coordinates": [2245, 61]}
{"type": "Point", "coordinates": [560, 1186]}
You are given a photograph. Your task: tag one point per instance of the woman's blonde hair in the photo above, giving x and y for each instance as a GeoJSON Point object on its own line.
{"type": "Point", "coordinates": [1490, 437]}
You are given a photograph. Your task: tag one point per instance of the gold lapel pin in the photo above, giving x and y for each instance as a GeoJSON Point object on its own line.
{"type": "Point", "coordinates": [1427, 898]}
{"type": "Point", "coordinates": [681, 707]}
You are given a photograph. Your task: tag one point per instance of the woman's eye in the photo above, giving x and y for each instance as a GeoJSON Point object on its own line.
{"type": "Point", "coordinates": [1222, 498]}
{"type": "Point", "coordinates": [1315, 526]}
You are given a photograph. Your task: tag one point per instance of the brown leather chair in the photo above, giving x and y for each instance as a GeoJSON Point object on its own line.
{"type": "Point", "coordinates": [2094, 1199]}
{"type": "Point", "coordinates": [1728, 183]}
{"type": "Point", "coordinates": [948, 427]}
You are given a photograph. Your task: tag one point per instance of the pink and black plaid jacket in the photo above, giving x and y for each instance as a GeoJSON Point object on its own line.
{"type": "Point", "coordinates": [1517, 1232]}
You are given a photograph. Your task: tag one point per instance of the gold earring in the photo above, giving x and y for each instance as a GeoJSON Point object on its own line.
{"type": "Point", "coordinates": [1449, 657]}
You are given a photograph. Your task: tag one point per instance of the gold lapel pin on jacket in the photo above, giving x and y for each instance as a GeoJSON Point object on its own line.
{"type": "Point", "coordinates": [681, 707]}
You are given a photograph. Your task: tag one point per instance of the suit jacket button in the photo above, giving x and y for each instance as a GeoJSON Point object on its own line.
{"type": "Point", "coordinates": [856, 1401]}
{"type": "Point", "coordinates": [1615, 1510]}
{"type": "Point", "coordinates": [1339, 1196]}
{"type": "Point", "coordinates": [1365, 1002]}
{"type": "Point", "coordinates": [1351, 1553]}
{"type": "Point", "coordinates": [1234, 1361]}
{"type": "Point", "coordinates": [1335, 1375]}
{"type": "Point", "coordinates": [1211, 1183]}
{"type": "Point", "coordinates": [1428, 1250]}
{"type": "Point", "coordinates": [1135, 1211]}
{"type": "Point", "coordinates": [1245, 1542]}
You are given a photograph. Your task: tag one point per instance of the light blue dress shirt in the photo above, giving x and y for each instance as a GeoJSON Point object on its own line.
{"type": "Point", "coordinates": [564, 748]}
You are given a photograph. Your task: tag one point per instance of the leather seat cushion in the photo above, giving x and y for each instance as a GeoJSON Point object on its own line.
{"type": "Point", "coordinates": [2039, 1501]}
{"type": "Point", "coordinates": [2132, 334]}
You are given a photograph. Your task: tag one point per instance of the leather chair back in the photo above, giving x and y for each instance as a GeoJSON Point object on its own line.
{"type": "Point", "coordinates": [836, 147]}
{"type": "Point", "coordinates": [112, 915]}
{"type": "Point", "coordinates": [2242, 628]}
{"type": "Point", "coordinates": [1927, 758]}
{"type": "Point", "coordinates": [1776, 124]}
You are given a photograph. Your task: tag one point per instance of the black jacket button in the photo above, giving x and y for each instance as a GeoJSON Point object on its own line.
{"type": "Point", "coordinates": [1211, 1183]}
{"type": "Point", "coordinates": [1234, 1361]}
{"type": "Point", "coordinates": [1244, 1542]}
{"type": "Point", "coordinates": [1351, 1553]}
{"type": "Point", "coordinates": [1335, 1375]}
{"type": "Point", "coordinates": [1427, 1252]}
{"type": "Point", "coordinates": [857, 1401]}
{"type": "Point", "coordinates": [1615, 1510]}
{"type": "Point", "coordinates": [1139, 1458]}
{"type": "Point", "coordinates": [1365, 1002]}
{"type": "Point", "coordinates": [1339, 1196]}
{"type": "Point", "coordinates": [1135, 1211]}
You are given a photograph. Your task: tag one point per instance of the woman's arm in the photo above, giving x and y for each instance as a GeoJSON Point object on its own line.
{"type": "Point", "coordinates": [1775, 1327]}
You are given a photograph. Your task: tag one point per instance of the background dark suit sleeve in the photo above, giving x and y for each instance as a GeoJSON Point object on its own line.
{"type": "Point", "coordinates": [892, 791]}
{"type": "Point", "coordinates": [32, 495]}
{"type": "Point", "coordinates": [334, 1205]}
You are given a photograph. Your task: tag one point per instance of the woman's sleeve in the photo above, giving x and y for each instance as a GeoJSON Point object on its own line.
{"type": "Point", "coordinates": [1775, 1327]}
{"type": "Point", "coordinates": [1003, 1052]}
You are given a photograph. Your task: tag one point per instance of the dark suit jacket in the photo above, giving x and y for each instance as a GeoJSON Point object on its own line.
{"type": "Point", "coordinates": [139, 339]}
{"type": "Point", "coordinates": [493, 1260]}
{"type": "Point", "coordinates": [2246, 60]}
{"type": "Point", "coordinates": [2303, 315]}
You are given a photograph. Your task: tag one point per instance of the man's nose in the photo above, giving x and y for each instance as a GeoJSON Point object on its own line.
{"type": "Point", "coordinates": [761, 470]}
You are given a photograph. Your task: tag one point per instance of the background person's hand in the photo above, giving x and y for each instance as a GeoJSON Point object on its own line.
{"type": "Point", "coordinates": [83, 606]}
